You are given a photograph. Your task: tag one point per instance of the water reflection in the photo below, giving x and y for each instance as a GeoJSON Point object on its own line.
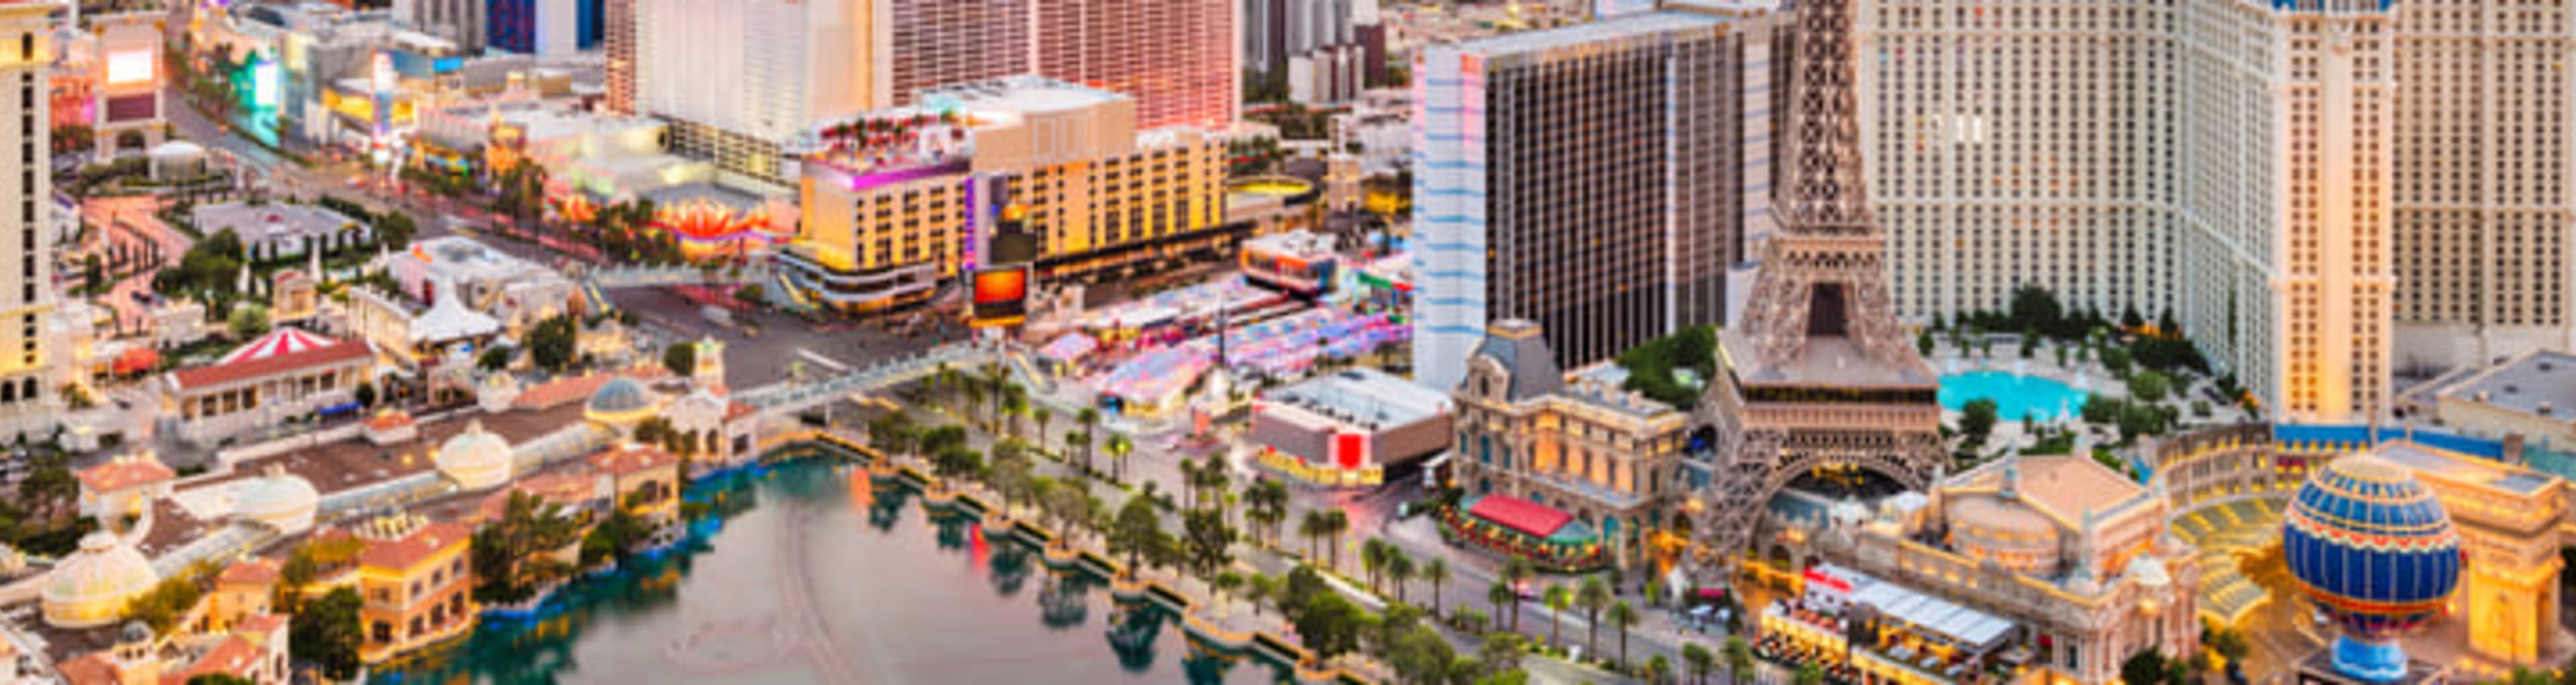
{"type": "Point", "coordinates": [709, 610]}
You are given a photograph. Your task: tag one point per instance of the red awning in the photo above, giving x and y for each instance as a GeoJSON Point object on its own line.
{"type": "Point", "coordinates": [1532, 518]}
{"type": "Point", "coordinates": [136, 360]}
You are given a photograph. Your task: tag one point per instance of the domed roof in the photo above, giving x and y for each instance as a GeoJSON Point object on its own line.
{"type": "Point", "coordinates": [91, 586]}
{"type": "Point", "coordinates": [620, 399]}
{"type": "Point", "coordinates": [2372, 545]}
{"type": "Point", "coordinates": [280, 499]}
{"type": "Point", "coordinates": [2149, 572]}
{"type": "Point", "coordinates": [475, 459]}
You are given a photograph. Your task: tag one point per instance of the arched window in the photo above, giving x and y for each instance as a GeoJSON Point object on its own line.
{"type": "Point", "coordinates": [27, 46]}
{"type": "Point", "coordinates": [1485, 449]}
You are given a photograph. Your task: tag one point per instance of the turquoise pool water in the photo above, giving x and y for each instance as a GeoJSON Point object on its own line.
{"type": "Point", "coordinates": [2014, 396]}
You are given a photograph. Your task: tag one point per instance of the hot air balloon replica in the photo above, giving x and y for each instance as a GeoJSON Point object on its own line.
{"type": "Point", "coordinates": [2377, 555]}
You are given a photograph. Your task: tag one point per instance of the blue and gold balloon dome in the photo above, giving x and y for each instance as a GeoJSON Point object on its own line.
{"type": "Point", "coordinates": [2377, 554]}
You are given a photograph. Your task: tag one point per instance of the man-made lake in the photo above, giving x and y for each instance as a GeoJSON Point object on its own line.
{"type": "Point", "coordinates": [2040, 397]}
{"type": "Point", "coordinates": [805, 573]}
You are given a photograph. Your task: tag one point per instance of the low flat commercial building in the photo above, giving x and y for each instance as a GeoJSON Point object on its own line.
{"type": "Point", "coordinates": [515, 291]}
{"type": "Point", "coordinates": [279, 230]}
{"type": "Point", "coordinates": [1346, 428]}
{"type": "Point", "coordinates": [2532, 395]}
{"type": "Point", "coordinates": [896, 200]}
{"type": "Point", "coordinates": [289, 373]}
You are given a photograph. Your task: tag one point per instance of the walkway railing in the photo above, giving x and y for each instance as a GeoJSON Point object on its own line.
{"type": "Point", "coordinates": [788, 398]}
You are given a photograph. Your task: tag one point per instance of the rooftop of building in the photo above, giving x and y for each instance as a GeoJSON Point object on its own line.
{"type": "Point", "coordinates": [2540, 383]}
{"type": "Point", "coordinates": [353, 463]}
{"type": "Point", "coordinates": [2454, 466]}
{"type": "Point", "coordinates": [1363, 396]}
{"type": "Point", "coordinates": [1604, 386]}
{"type": "Point", "coordinates": [467, 259]}
{"type": "Point", "coordinates": [2067, 487]}
{"type": "Point", "coordinates": [1022, 94]}
{"type": "Point", "coordinates": [1822, 360]}
{"type": "Point", "coordinates": [1638, 25]}
{"type": "Point", "coordinates": [1300, 243]}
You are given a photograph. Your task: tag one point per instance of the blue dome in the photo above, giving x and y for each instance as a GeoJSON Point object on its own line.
{"type": "Point", "coordinates": [2373, 547]}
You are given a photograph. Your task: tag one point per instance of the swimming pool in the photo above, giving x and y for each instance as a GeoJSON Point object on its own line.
{"type": "Point", "coordinates": [2014, 395]}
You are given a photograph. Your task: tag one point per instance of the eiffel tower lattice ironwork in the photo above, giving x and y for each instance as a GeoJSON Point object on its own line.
{"type": "Point", "coordinates": [1821, 375]}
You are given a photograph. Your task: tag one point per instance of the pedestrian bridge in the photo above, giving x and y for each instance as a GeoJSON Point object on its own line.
{"type": "Point", "coordinates": [656, 276]}
{"type": "Point", "coordinates": [795, 396]}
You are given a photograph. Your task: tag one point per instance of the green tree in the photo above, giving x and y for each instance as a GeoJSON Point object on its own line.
{"type": "Point", "coordinates": [1557, 599]}
{"type": "Point", "coordinates": [1419, 655]}
{"type": "Point", "coordinates": [1626, 618]}
{"type": "Point", "coordinates": [1330, 625]}
{"type": "Point", "coordinates": [1501, 652]}
{"type": "Point", "coordinates": [394, 229]}
{"type": "Point", "coordinates": [1399, 571]}
{"type": "Point", "coordinates": [1923, 343]}
{"type": "Point", "coordinates": [1135, 532]}
{"type": "Point", "coordinates": [1698, 659]}
{"type": "Point", "coordinates": [247, 321]}
{"type": "Point", "coordinates": [2149, 386]}
{"type": "Point", "coordinates": [2116, 360]}
{"type": "Point", "coordinates": [1266, 505]}
{"type": "Point", "coordinates": [1739, 658]}
{"type": "Point", "coordinates": [1314, 528]}
{"type": "Point", "coordinates": [1977, 420]}
{"type": "Point", "coordinates": [2146, 666]}
{"type": "Point", "coordinates": [2034, 308]}
{"type": "Point", "coordinates": [1336, 523]}
{"type": "Point", "coordinates": [1435, 570]}
{"type": "Point", "coordinates": [551, 344]}
{"type": "Point", "coordinates": [1592, 597]}
{"type": "Point", "coordinates": [1808, 674]}
{"type": "Point", "coordinates": [1503, 597]}
{"type": "Point", "coordinates": [1207, 540]}
{"type": "Point", "coordinates": [1119, 447]}
{"type": "Point", "coordinates": [681, 359]}
{"type": "Point", "coordinates": [493, 358]}
{"type": "Point", "coordinates": [220, 679]}
{"type": "Point", "coordinates": [327, 633]}
{"type": "Point", "coordinates": [953, 462]}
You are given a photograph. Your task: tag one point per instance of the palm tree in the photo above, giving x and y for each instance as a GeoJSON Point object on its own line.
{"type": "Point", "coordinates": [1337, 522]}
{"type": "Point", "coordinates": [1258, 587]}
{"type": "Point", "coordinates": [974, 397]}
{"type": "Point", "coordinates": [1808, 674]}
{"type": "Point", "coordinates": [1044, 416]}
{"type": "Point", "coordinates": [1088, 418]}
{"type": "Point", "coordinates": [1739, 659]}
{"type": "Point", "coordinates": [1435, 570]}
{"type": "Point", "coordinates": [1399, 568]}
{"type": "Point", "coordinates": [1625, 617]}
{"type": "Point", "coordinates": [1592, 597]}
{"type": "Point", "coordinates": [1657, 668]}
{"type": "Point", "coordinates": [1189, 482]}
{"type": "Point", "coordinates": [1373, 559]}
{"type": "Point", "coordinates": [1501, 595]}
{"type": "Point", "coordinates": [1015, 406]}
{"type": "Point", "coordinates": [1313, 527]}
{"type": "Point", "coordinates": [1119, 446]}
{"type": "Point", "coordinates": [1514, 573]}
{"type": "Point", "coordinates": [1697, 658]}
{"type": "Point", "coordinates": [1266, 503]}
{"type": "Point", "coordinates": [1557, 599]}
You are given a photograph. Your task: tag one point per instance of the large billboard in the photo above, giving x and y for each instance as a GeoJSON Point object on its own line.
{"type": "Point", "coordinates": [126, 67]}
{"type": "Point", "coordinates": [1001, 296]}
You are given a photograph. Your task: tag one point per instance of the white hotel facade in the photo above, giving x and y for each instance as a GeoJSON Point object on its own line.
{"type": "Point", "coordinates": [2298, 182]}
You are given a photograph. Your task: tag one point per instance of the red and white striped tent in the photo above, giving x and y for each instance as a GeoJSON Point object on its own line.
{"type": "Point", "coordinates": [286, 340]}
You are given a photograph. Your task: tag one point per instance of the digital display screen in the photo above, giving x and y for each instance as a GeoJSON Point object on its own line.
{"type": "Point", "coordinates": [137, 107]}
{"type": "Point", "coordinates": [1000, 286]}
{"type": "Point", "coordinates": [131, 66]}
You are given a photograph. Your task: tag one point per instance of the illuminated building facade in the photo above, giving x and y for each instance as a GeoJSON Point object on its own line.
{"type": "Point", "coordinates": [736, 79]}
{"type": "Point", "coordinates": [896, 199]}
{"type": "Point", "coordinates": [1535, 200]}
{"type": "Point", "coordinates": [2074, 553]}
{"type": "Point", "coordinates": [2230, 162]}
{"type": "Point", "coordinates": [1578, 444]}
{"type": "Point", "coordinates": [1177, 58]}
{"type": "Point", "coordinates": [418, 588]}
{"type": "Point", "coordinates": [932, 43]}
{"type": "Point", "coordinates": [2485, 182]}
{"type": "Point", "coordinates": [128, 94]}
{"type": "Point", "coordinates": [28, 403]}
{"type": "Point", "coordinates": [2512, 519]}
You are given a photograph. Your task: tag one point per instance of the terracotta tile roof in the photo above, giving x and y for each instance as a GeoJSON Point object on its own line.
{"type": "Point", "coordinates": [1531, 518]}
{"type": "Point", "coordinates": [631, 458]}
{"type": "Point", "coordinates": [736, 410]}
{"type": "Point", "coordinates": [233, 656]}
{"type": "Point", "coordinates": [560, 390]}
{"type": "Point", "coordinates": [248, 572]}
{"type": "Point", "coordinates": [95, 668]}
{"type": "Point", "coordinates": [263, 625]}
{"type": "Point", "coordinates": [125, 472]}
{"type": "Point", "coordinates": [264, 366]}
{"type": "Point", "coordinates": [415, 548]}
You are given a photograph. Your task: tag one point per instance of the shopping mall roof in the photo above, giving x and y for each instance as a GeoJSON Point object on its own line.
{"type": "Point", "coordinates": [1366, 397]}
{"type": "Point", "coordinates": [2539, 383]}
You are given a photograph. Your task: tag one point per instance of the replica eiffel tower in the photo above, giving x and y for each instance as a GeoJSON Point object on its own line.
{"type": "Point", "coordinates": [1818, 375]}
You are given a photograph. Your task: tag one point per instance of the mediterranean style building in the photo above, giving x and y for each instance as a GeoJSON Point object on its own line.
{"type": "Point", "coordinates": [2269, 173]}
{"type": "Point", "coordinates": [1583, 446]}
{"type": "Point", "coordinates": [1597, 179]}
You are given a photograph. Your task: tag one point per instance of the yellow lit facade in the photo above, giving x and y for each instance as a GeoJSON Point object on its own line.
{"type": "Point", "coordinates": [881, 227]}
